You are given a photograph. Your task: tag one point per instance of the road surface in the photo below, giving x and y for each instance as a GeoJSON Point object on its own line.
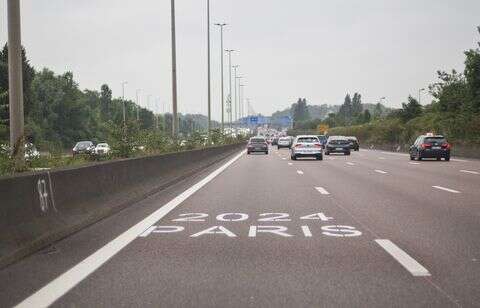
{"type": "Point", "coordinates": [368, 230]}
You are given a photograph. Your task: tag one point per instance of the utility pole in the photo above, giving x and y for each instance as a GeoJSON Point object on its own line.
{"type": "Point", "coordinates": [238, 100]}
{"type": "Point", "coordinates": [174, 75]}
{"type": "Point", "coordinates": [208, 70]}
{"type": "Point", "coordinates": [235, 67]}
{"type": "Point", "coordinates": [15, 84]}
{"type": "Point", "coordinates": [123, 101]}
{"type": "Point", "coordinates": [419, 95]}
{"type": "Point", "coordinates": [229, 51]}
{"type": "Point", "coordinates": [137, 103]}
{"type": "Point", "coordinates": [242, 103]}
{"type": "Point", "coordinates": [221, 25]}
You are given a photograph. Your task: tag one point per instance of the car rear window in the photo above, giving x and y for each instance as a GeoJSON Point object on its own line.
{"type": "Point", "coordinates": [438, 140]}
{"type": "Point", "coordinates": [339, 141]}
{"type": "Point", "coordinates": [307, 140]}
{"type": "Point", "coordinates": [322, 138]}
{"type": "Point", "coordinates": [257, 140]}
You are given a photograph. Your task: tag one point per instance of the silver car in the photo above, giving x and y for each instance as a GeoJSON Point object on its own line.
{"type": "Point", "coordinates": [306, 146]}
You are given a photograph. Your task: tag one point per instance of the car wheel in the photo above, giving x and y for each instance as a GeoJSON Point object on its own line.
{"type": "Point", "coordinates": [419, 158]}
{"type": "Point", "coordinates": [327, 153]}
{"type": "Point", "coordinates": [447, 158]}
{"type": "Point", "coordinates": [320, 157]}
{"type": "Point", "coordinates": [294, 157]}
{"type": "Point", "coordinates": [411, 157]}
{"type": "Point", "coordinates": [266, 152]}
{"type": "Point", "coordinates": [347, 153]}
{"type": "Point", "coordinates": [439, 158]}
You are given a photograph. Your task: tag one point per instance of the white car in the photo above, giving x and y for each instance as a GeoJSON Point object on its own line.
{"type": "Point", "coordinates": [102, 149]}
{"type": "Point", "coordinates": [31, 151]}
{"type": "Point", "coordinates": [306, 146]}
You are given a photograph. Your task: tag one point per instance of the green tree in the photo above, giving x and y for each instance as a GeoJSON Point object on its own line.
{"type": "Point", "coordinates": [410, 110]}
{"type": "Point", "coordinates": [367, 117]}
{"type": "Point", "coordinates": [300, 112]}
{"type": "Point", "coordinates": [357, 107]}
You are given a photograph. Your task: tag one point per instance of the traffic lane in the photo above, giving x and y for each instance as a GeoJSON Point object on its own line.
{"type": "Point", "coordinates": [438, 173]}
{"type": "Point", "coordinates": [33, 272]}
{"type": "Point", "coordinates": [432, 226]}
{"type": "Point", "coordinates": [187, 269]}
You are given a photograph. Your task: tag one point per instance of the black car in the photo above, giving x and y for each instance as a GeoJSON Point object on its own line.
{"type": "Point", "coordinates": [257, 144]}
{"type": "Point", "coordinates": [83, 147]}
{"type": "Point", "coordinates": [430, 146]}
{"type": "Point", "coordinates": [275, 141]}
{"type": "Point", "coordinates": [354, 145]}
{"type": "Point", "coordinates": [337, 144]}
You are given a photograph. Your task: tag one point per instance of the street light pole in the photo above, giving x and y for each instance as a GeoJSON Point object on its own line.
{"type": "Point", "coordinates": [137, 103]}
{"type": "Point", "coordinates": [208, 70]}
{"type": "Point", "coordinates": [242, 103]}
{"type": "Point", "coordinates": [221, 25]}
{"type": "Point", "coordinates": [419, 95]}
{"type": "Point", "coordinates": [229, 51]}
{"type": "Point", "coordinates": [123, 101]}
{"type": "Point", "coordinates": [238, 100]}
{"type": "Point", "coordinates": [235, 67]}
{"type": "Point", "coordinates": [15, 84]}
{"type": "Point", "coordinates": [174, 75]}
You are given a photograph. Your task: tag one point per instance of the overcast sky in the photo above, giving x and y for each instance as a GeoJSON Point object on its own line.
{"type": "Point", "coordinates": [315, 49]}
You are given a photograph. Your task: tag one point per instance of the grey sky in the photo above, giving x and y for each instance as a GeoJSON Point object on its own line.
{"type": "Point", "coordinates": [288, 49]}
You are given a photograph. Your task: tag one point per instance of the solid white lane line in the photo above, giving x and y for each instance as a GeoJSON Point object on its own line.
{"type": "Point", "coordinates": [299, 171]}
{"type": "Point", "coordinates": [414, 163]}
{"type": "Point", "coordinates": [322, 190]}
{"type": "Point", "coordinates": [351, 164]}
{"type": "Point", "coordinates": [290, 164]}
{"type": "Point", "coordinates": [380, 171]}
{"type": "Point", "coordinates": [55, 289]}
{"type": "Point", "coordinates": [446, 189]}
{"type": "Point", "coordinates": [469, 171]}
{"type": "Point", "coordinates": [409, 263]}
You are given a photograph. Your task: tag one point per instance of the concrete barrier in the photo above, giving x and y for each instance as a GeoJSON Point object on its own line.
{"type": "Point", "coordinates": [41, 208]}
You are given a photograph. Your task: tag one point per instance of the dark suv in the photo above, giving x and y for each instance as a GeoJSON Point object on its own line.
{"type": "Point", "coordinates": [337, 144]}
{"type": "Point", "coordinates": [430, 146]}
{"type": "Point", "coordinates": [354, 145]}
{"type": "Point", "coordinates": [83, 147]}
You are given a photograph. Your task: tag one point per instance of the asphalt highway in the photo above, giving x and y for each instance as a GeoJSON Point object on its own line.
{"type": "Point", "coordinates": [373, 229]}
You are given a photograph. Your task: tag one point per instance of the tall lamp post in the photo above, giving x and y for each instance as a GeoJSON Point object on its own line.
{"type": "Point", "coordinates": [239, 78]}
{"type": "Point", "coordinates": [419, 95]}
{"type": "Point", "coordinates": [208, 69]}
{"type": "Point", "coordinates": [174, 74]}
{"type": "Point", "coordinates": [15, 84]}
{"type": "Point", "coordinates": [137, 103]}
{"type": "Point", "coordinates": [221, 25]}
{"type": "Point", "coordinates": [229, 51]}
{"type": "Point", "coordinates": [123, 101]}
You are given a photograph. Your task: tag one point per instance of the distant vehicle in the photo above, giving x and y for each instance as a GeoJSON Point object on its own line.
{"type": "Point", "coordinates": [284, 142]}
{"type": "Point", "coordinates": [31, 151]}
{"type": "Point", "coordinates": [354, 145]}
{"type": "Point", "coordinates": [306, 146]}
{"type": "Point", "coordinates": [275, 140]}
{"type": "Point", "coordinates": [323, 139]}
{"type": "Point", "coordinates": [102, 149]}
{"type": "Point", "coordinates": [337, 144]}
{"type": "Point", "coordinates": [257, 144]}
{"type": "Point", "coordinates": [430, 146]}
{"type": "Point", "coordinates": [83, 147]}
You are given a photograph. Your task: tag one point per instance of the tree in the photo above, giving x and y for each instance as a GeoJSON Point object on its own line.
{"type": "Point", "coordinates": [410, 110]}
{"type": "Point", "coordinates": [366, 116]}
{"type": "Point", "coordinates": [346, 111]}
{"type": "Point", "coordinates": [378, 111]}
{"type": "Point", "coordinates": [105, 100]}
{"type": "Point", "coordinates": [300, 112]}
{"type": "Point", "coordinates": [472, 76]}
{"type": "Point", "coordinates": [357, 107]}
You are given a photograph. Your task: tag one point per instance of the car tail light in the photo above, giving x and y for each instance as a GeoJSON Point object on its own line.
{"type": "Point", "coordinates": [318, 145]}
{"type": "Point", "coordinates": [298, 145]}
{"type": "Point", "coordinates": [425, 145]}
{"type": "Point", "coordinates": [446, 145]}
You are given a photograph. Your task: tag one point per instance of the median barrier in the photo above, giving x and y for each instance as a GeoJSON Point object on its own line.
{"type": "Point", "coordinates": [40, 208]}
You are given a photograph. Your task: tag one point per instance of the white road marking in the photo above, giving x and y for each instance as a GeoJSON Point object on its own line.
{"type": "Point", "coordinates": [409, 263]}
{"type": "Point", "coordinates": [306, 231]}
{"type": "Point", "coordinates": [351, 164]}
{"type": "Point", "coordinates": [58, 287]}
{"type": "Point", "coordinates": [446, 189]}
{"type": "Point", "coordinates": [460, 160]}
{"type": "Point", "coordinates": [284, 158]}
{"type": "Point", "coordinates": [381, 158]}
{"type": "Point", "coordinates": [381, 171]}
{"type": "Point", "coordinates": [414, 163]}
{"type": "Point", "coordinates": [392, 153]}
{"type": "Point", "coordinates": [299, 171]}
{"type": "Point", "coordinates": [290, 164]}
{"type": "Point", "coordinates": [322, 190]}
{"type": "Point", "coordinates": [469, 171]}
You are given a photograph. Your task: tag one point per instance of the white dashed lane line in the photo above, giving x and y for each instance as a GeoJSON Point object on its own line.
{"type": "Point", "coordinates": [290, 164]}
{"type": "Point", "coordinates": [446, 189]}
{"type": "Point", "coordinates": [322, 190]}
{"type": "Point", "coordinates": [350, 164]}
{"type": "Point", "coordinates": [382, 158]}
{"type": "Point", "coordinates": [381, 171]}
{"type": "Point", "coordinates": [284, 158]}
{"type": "Point", "coordinates": [409, 263]}
{"type": "Point", "coordinates": [299, 171]}
{"type": "Point", "coordinates": [414, 163]}
{"type": "Point", "coordinates": [469, 171]}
